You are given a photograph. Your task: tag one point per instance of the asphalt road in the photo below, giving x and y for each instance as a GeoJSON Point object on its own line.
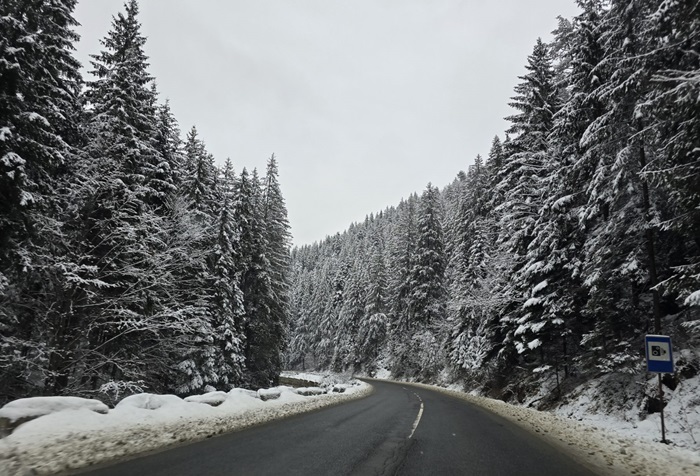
{"type": "Point", "coordinates": [398, 429]}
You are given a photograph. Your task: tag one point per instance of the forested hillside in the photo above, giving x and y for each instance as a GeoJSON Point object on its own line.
{"type": "Point", "coordinates": [128, 260]}
{"type": "Point", "coordinates": [550, 259]}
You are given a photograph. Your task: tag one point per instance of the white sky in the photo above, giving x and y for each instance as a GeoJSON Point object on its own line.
{"type": "Point", "coordinates": [363, 102]}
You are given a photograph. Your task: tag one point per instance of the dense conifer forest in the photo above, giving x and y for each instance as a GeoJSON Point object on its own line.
{"type": "Point", "coordinates": [547, 261]}
{"type": "Point", "coordinates": [128, 260]}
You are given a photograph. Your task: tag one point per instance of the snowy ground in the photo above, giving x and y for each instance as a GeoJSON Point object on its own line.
{"type": "Point", "coordinates": [605, 447]}
{"type": "Point", "coordinates": [316, 377]}
{"type": "Point", "coordinates": [613, 404]}
{"type": "Point", "coordinates": [71, 435]}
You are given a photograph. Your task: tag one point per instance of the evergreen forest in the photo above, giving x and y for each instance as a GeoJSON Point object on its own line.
{"type": "Point", "coordinates": [548, 260]}
{"type": "Point", "coordinates": [128, 260]}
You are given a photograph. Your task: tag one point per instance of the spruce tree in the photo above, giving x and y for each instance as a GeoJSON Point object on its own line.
{"type": "Point", "coordinates": [262, 356]}
{"type": "Point", "coordinates": [277, 247]}
{"type": "Point", "coordinates": [39, 86]}
{"type": "Point", "coordinates": [673, 36]}
{"type": "Point", "coordinates": [228, 311]}
{"type": "Point", "coordinates": [523, 187]}
{"type": "Point", "coordinates": [120, 193]}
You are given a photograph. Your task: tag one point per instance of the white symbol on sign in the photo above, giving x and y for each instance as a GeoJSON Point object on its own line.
{"type": "Point", "coordinates": [659, 351]}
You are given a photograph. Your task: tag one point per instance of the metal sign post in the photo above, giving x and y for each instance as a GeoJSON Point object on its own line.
{"type": "Point", "coordinates": [659, 354]}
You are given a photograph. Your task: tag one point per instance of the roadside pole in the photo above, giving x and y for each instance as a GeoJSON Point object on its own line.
{"type": "Point", "coordinates": [659, 354]}
{"type": "Point", "coordinates": [661, 399]}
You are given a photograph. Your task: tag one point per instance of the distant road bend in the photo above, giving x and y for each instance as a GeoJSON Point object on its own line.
{"type": "Point", "coordinates": [397, 430]}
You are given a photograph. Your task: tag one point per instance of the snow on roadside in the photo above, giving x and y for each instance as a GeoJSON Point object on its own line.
{"type": "Point", "coordinates": [615, 404]}
{"type": "Point", "coordinates": [76, 438]}
{"type": "Point", "coordinates": [30, 408]}
{"type": "Point", "coordinates": [316, 378]}
{"type": "Point", "coordinates": [605, 451]}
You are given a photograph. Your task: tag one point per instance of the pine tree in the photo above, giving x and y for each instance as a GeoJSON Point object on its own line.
{"type": "Point", "coordinates": [119, 225]}
{"type": "Point", "coordinates": [300, 318]}
{"type": "Point", "coordinates": [199, 175]}
{"type": "Point", "coordinates": [495, 158]}
{"type": "Point", "coordinates": [169, 146]}
{"type": "Point", "coordinates": [616, 266]}
{"type": "Point", "coordinates": [402, 250]}
{"type": "Point", "coordinates": [373, 331]}
{"type": "Point", "coordinates": [262, 356]}
{"type": "Point", "coordinates": [228, 299]}
{"type": "Point", "coordinates": [671, 112]}
{"type": "Point", "coordinates": [277, 246]}
{"type": "Point", "coordinates": [39, 86]}
{"type": "Point", "coordinates": [523, 186]}
{"type": "Point", "coordinates": [427, 291]}
{"type": "Point", "coordinates": [122, 110]}
{"type": "Point", "coordinates": [470, 313]}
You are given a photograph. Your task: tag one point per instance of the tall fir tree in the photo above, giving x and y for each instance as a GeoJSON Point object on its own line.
{"type": "Point", "coordinates": [523, 186]}
{"type": "Point", "coordinates": [228, 308]}
{"type": "Point", "coordinates": [39, 114]}
{"type": "Point", "coordinates": [277, 249]}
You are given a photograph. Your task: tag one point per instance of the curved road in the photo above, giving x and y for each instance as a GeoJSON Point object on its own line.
{"type": "Point", "coordinates": [398, 429]}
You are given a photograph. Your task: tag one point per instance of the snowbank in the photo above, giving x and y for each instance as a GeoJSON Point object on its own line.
{"type": "Point", "coordinates": [78, 437]}
{"type": "Point", "coordinates": [604, 450]}
{"type": "Point", "coordinates": [317, 378]}
{"type": "Point", "coordinates": [39, 406]}
{"type": "Point", "coordinates": [211, 398]}
{"type": "Point", "coordinates": [614, 404]}
{"type": "Point", "coordinates": [25, 409]}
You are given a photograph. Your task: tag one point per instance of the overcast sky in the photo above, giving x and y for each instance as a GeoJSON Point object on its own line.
{"type": "Point", "coordinates": [363, 102]}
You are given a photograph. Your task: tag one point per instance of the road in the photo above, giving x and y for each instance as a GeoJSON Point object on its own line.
{"type": "Point", "coordinates": [399, 429]}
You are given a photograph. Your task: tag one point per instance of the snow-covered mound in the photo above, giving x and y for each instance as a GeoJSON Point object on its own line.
{"type": "Point", "coordinates": [149, 401]}
{"type": "Point", "coordinates": [308, 391]}
{"type": "Point", "coordinates": [214, 399]}
{"type": "Point", "coordinates": [266, 394]}
{"type": "Point", "coordinates": [26, 409]}
{"type": "Point", "coordinates": [76, 437]}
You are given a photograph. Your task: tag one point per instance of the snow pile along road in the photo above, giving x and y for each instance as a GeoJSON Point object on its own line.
{"type": "Point", "coordinates": [605, 451]}
{"type": "Point", "coordinates": [79, 436]}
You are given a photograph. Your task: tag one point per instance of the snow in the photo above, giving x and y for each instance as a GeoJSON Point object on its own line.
{"type": "Point", "coordinates": [12, 160]}
{"type": "Point", "coordinates": [211, 398]}
{"type": "Point", "coordinates": [693, 299]}
{"type": "Point", "coordinates": [303, 376]}
{"type": "Point", "coordinates": [539, 287]}
{"type": "Point", "coordinates": [35, 117]}
{"type": "Point", "coordinates": [588, 425]}
{"type": "Point", "coordinates": [383, 373]}
{"type": "Point", "coordinates": [269, 393]}
{"type": "Point", "coordinates": [25, 198]}
{"type": "Point", "coordinates": [39, 406]}
{"type": "Point", "coordinates": [535, 343]}
{"type": "Point", "coordinates": [310, 391]}
{"type": "Point", "coordinates": [603, 446]}
{"type": "Point", "coordinates": [149, 401]}
{"type": "Point", "coordinates": [76, 436]}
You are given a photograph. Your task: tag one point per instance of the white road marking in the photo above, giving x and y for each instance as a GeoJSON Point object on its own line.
{"type": "Point", "coordinates": [420, 414]}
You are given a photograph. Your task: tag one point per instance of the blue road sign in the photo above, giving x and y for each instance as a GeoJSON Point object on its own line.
{"type": "Point", "coordinates": [659, 354]}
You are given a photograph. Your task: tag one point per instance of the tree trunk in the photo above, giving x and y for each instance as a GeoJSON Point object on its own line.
{"type": "Point", "coordinates": [649, 238]}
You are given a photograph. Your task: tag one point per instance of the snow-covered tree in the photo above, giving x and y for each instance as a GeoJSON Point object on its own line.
{"type": "Point", "coordinates": [39, 115]}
